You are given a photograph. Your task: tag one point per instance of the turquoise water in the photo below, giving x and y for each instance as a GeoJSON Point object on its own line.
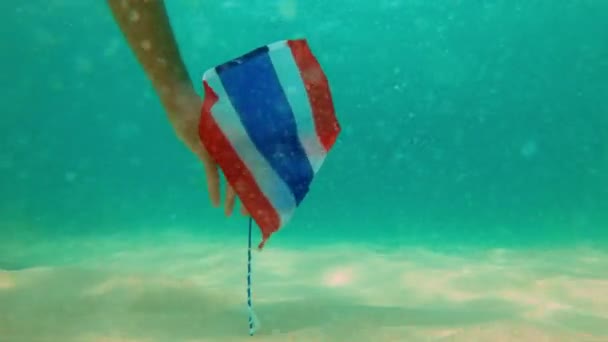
{"type": "Point", "coordinates": [465, 125]}
{"type": "Point", "coordinates": [481, 123]}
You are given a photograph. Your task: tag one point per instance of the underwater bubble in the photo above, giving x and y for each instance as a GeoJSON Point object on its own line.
{"type": "Point", "coordinates": [111, 48]}
{"type": "Point", "coordinates": [398, 156]}
{"type": "Point", "coordinates": [230, 4]}
{"type": "Point", "coordinates": [83, 65]}
{"type": "Point", "coordinates": [23, 140]}
{"type": "Point", "coordinates": [56, 85]}
{"type": "Point", "coordinates": [43, 36]}
{"type": "Point", "coordinates": [201, 39]}
{"type": "Point", "coordinates": [6, 162]}
{"type": "Point", "coordinates": [135, 161]}
{"type": "Point", "coordinates": [529, 149]}
{"type": "Point", "coordinates": [126, 130]}
{"type": "Point", "coordinates": [287, 9]}
{"type": "Point", "coordinates": [349, 130]}
{"type": "Point", "coordinates": [70, 176]}
{"type": "Point", "coordinates": [23, 175]}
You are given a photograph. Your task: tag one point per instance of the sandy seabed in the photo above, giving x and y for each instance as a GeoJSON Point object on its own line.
{"type": "Point", "coordinates": [180, 288]}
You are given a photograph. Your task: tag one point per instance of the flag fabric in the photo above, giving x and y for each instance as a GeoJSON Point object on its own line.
{"type": "Point", "coordinates": [268, 121]}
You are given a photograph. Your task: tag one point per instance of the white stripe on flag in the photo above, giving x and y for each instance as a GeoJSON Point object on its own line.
{"type": "Point", "coordinates": [270, 183]}
{"type": "Point", "coordinates": [293, 86]}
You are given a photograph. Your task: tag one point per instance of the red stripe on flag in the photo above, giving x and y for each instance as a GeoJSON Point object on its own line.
{"type": "Point", "coordinates": [235, 170]}
{"type": "Point", "coordinates": [319, 95]}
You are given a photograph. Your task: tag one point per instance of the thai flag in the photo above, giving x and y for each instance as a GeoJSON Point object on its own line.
{"type": "Point", "coordinates": [268, 120]}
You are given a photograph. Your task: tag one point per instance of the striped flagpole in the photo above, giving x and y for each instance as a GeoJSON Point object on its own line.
{"type": "Point", "coordinates": [252, 325]}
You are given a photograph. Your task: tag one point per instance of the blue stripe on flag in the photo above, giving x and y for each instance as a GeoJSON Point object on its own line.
{"type": "Point", "coordinates": [257, 96]}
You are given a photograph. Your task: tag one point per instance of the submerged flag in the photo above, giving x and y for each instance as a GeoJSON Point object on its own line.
{"type": "Point", "coordinates": [268, 121]}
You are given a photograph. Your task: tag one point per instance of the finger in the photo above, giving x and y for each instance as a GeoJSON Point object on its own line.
{"type": "Point", "coordinates": [244, 211]}
{"type": "Point", "coordinates": [229, 202]}
{"type": "Point", "coordinates": [213, 181]}
{"type": "Point", "coordinates": [213, 184]}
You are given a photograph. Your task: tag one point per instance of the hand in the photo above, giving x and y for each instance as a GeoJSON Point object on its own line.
{"type": "Point", "coordinates": [184, 107]}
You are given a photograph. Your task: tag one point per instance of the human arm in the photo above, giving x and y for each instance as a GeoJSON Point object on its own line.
{"type": "Point", "coordinates": [146, 27]}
